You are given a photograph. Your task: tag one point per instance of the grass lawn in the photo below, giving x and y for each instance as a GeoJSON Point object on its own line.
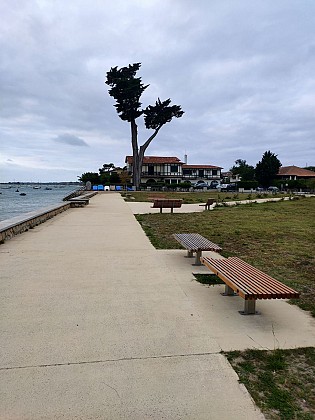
{"type": "Point", "coordinates": [194, 197]}
{"type": "Point", "coordinates": [279, 239]}
{"type": "Point", "coordinates": [282, 382]}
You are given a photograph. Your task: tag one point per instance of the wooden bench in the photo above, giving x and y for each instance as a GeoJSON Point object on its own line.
{"type": "Point", "coordinates": [164, 203]}
{"type": "Point", "coordinates": [248, 282]}
{"type": "Point", "coordinates": [194, 242]}
{"type": "Point", "coordinates": [209, 203]}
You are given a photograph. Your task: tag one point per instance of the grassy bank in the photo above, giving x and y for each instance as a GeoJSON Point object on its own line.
{"type": "Point", "coordinates": [195, 197]}
{"type": "Point", "coordinates": [282, 382]}
{"type": "Point", "coordinates": [278, 238]}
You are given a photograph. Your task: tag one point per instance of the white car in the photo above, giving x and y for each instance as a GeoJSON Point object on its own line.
{"type": "Point", "coordinates": [273, 189]}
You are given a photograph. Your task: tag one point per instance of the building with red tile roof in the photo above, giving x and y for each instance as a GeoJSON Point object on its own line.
{"type": "Point", "coordinates": [155, 159]}
{"type": "Point", "coordinates": [171, 170]}
{"type": "Point", "coordinates": [294, 173]}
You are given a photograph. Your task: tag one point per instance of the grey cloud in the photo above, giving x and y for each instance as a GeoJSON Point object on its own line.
{"type": "Point", "coordinates": [242, 72]}
{"type": "Point", "coordinates": [70, 140]}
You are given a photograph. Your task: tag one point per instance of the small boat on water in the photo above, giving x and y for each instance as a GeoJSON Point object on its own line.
{"type": "Point", "coordinates": [17, 190]}
{"type": "Point", "coordinates": [23, 194]}
{"type": "Point", "coordinates": [47, 188]}
{"type": "Point", "coordinates": [36, 188]}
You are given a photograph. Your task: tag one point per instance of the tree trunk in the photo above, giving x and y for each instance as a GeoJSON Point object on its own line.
{"type": "Point", "coordinates": [138, 154]}
{"type": "Point", "coordinates": [136, 171]}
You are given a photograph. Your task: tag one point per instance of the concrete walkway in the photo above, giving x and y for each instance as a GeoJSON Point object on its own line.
{"type": "Point", "coordinates": [97, 324]}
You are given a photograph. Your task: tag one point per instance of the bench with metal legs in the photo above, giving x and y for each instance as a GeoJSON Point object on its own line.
{"type": "Point", "coordinates": [248, 282]}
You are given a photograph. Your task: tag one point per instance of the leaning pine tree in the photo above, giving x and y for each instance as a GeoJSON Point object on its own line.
{"type": "Point", "coordinates": [127, 89]}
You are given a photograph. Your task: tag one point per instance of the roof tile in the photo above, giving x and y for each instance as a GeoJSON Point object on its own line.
{"type": "Point", "coordinates": [295, 171]}
{"type": "Point", "coordinates": [156, 159]}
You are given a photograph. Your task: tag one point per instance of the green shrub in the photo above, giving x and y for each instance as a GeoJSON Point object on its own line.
{"type": "Point", "coordinates": [248, 185]}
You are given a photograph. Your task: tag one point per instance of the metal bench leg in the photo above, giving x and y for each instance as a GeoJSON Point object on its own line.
{"type": "Point", "coordinates": [249, 307]}
{"type": "Point", "coordinates": [228, 291]}
{"type": "Point", "coordinates": [198, 256]}
{"type": "Point", "coordinates": [160, 209]}
{"type": "Point", "coordinates": [190, 254]}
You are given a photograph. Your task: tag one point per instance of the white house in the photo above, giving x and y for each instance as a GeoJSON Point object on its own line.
{"type": "Point", "coordinates": [171, 170]}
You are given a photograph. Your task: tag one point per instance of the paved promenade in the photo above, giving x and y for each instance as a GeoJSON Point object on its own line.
{"type": "Point", "coordinates": [97, 324]}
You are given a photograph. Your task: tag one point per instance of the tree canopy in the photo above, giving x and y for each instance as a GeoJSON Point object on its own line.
{"type": "Point", "coordinates": [267, 169]}
{"type": "Point", "coordinates": [127, 89]}
{"type": "Point", "coordinates": [242, 169]}
{"type": "Point", "coordinates": [106, 175]}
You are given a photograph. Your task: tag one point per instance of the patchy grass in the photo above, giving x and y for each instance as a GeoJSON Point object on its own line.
{"type": "Point", "coordinates": [277, 238]}
{"type": "Point", "coordinates": [210, 279]}
{"type": "Point", "coordinates": [282, 382]}
{"type": "Point", "coordinates": [194, 197]}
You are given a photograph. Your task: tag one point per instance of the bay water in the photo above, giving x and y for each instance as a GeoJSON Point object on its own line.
{"type": "Point", "coordinates": [13, 204]}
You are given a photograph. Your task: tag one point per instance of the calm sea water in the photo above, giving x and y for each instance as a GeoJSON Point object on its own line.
{"type": "Point", "coordinates": [13, 204]}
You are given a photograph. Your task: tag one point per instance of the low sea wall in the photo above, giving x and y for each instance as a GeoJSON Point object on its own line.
{"type": "Point", "coordinates": [20, 224]}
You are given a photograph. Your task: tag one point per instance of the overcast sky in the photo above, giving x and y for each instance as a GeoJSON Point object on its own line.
{"type": "Point", "coordinates": [242, 70]}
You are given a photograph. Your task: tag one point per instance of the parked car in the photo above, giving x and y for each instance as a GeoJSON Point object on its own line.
{"type": "Point", "coordinates": [259, 189]}
{"type": "Point", "coordinates": [215, 184]}
{"type": "Point", "coordinates": [228, 187]}
{"type": "Point", "coordinates": [200, 185]}
{"type": "Point", "coordinates": [273, 189]}
{"type": "Point", "coordinates": [223, 187]}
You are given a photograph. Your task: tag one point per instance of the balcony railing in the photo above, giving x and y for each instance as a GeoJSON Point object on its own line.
{"type": "Point", "coordinates": [157, 174]}
{"type": "Point", "coordinates": [203, 177]}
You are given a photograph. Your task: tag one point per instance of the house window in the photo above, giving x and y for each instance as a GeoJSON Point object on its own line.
{"type": "Point", "coordinates": [150, 169]}
{"type": "Point", "coordinates": [214, 172]}
{"type": "Point", "coordinates": [187, 171]}
{"type": "Point", "coordinates": [174, 168]}
{"type": "Point", "coordinates": [201, 173]}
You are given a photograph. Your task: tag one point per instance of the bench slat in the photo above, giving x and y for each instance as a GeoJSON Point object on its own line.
{"type": "Point", "coordinates": [269, 283]}
{"type": "Point", "coordinates": [195, 242]}
{"type": "Point", "coordinates": [257, 277]}
{"type": "Point", "coordinates": [251, 282]}
{"type": "Point", "coordinates": [251, 286]}
{"type": "Point", "coordinates": [163, 203]}
{"type": "Point", "coordinates": [166, 203]}
{"type": "Point", "coordinates": [248, 281]}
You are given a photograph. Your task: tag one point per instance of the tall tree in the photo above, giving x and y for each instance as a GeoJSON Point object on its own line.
{"type": "Point", "coordinates": [127, 89]}
{"type": "Point", "coordinates": [107, 167]}
{"type": "Point", "coordinates": [93, 177]}
{"type": "Point", "coordinates": [242, 169]}
{"type": "Point", "coordinates": [267, 169]}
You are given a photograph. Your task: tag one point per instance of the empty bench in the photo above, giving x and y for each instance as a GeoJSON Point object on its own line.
{"type": "Point", "coordinates": [194, 242]}
{"type": "Point", "coordinates": [165, 203]}
{"type": "Point", "coordinates": [79, 201]}
{"type": "Point", "coordinates": [209, 203]}
{"type": "Point", "coordinates": [248, 282]}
